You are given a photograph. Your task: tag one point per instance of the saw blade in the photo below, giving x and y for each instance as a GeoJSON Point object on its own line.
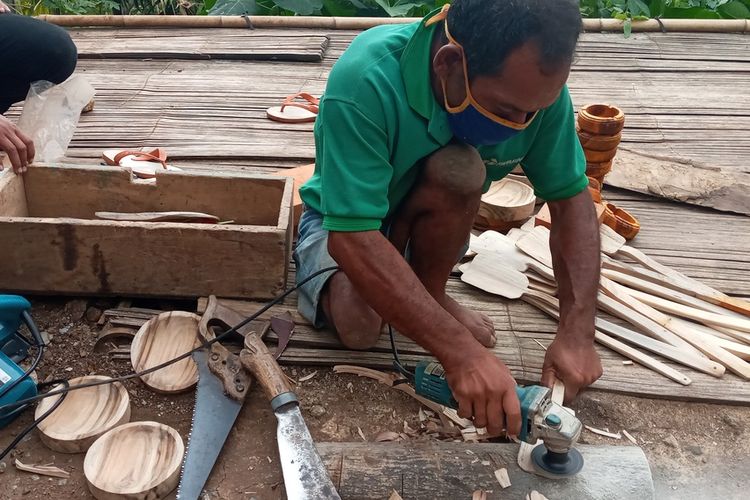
{"type": "Point", "coordinates": [214, 414]}
{"type": "Point", "coordinates": [305, 475]}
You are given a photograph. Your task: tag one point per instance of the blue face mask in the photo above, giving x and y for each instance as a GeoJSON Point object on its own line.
{"type": "Point", "coordinates": [469, 121]}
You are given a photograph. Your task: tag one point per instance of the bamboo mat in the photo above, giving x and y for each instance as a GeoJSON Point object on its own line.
{"type": "Point", "coordinates": [153, 43]}
{"type": "Point", "coordinates": [684, 95]}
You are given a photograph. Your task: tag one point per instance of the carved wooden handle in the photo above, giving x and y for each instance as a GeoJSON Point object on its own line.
{"type": "Point", "coordinates": [256, 358]}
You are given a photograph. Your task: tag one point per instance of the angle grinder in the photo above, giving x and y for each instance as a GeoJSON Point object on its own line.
{"type": "Point", "coordinates": [542, 419]}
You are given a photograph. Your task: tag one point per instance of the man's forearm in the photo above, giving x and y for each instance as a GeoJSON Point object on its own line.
{"type": "Point", "coordinates": [575, 246]}
{"type": "Point", "coordinates": [385, 280]}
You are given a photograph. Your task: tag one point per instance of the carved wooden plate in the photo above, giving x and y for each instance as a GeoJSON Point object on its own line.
{"type": "Point", "coordinates": [139, 460]}
{"type": "Point", "coordinates": [160, 339]}
{"type": "Point", "coordinates": [84, 415]}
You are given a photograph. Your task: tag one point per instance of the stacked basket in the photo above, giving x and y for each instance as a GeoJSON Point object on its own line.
{"type": "Point", "coordinates": [600, 131]}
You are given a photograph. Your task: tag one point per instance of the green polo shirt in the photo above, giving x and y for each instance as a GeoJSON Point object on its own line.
{"type": "Point", "coordinates": [379, 117]}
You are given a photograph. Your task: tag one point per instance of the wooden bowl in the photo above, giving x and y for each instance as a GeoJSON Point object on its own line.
{"type": "Point", "coordinates": [507, 204]}
{"type": "Point", "coordinates": [621, 221]}
{"type": "Point", "coordinates": [84, 415]}
{"type": "Point", "coordinates": [598, 170]}
{"type": "Point", "coordinates": [140, 460]}
{"type": "Point", "coordinates": [160, 339]}
{"type": "Point", "coordinates": [599, 156]}
{"type": "Point", "coordinates": [601, 119]}
{"type": "Point", "coordinates": [595, 142]}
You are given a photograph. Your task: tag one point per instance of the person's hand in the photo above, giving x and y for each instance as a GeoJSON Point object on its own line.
{"type": "Point", "coordinates": [15, 144]}
{"type": "Point", "coordinates": [572, 360]}
{"type": "Point", "coordinates": [485, 390]}
{"type": "Point", "coordinates": [3, 8]}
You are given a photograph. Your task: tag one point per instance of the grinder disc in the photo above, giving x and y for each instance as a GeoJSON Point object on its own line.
{"type": "Point", "coordinates": [557, 464]}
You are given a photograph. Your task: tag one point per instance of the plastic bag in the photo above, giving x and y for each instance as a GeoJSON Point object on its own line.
{"type": "Point", "coordinates": [50, 115]}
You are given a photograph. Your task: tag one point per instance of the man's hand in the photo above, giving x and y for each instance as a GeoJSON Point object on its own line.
{"type": "Point", "coordinates": [576, 363]}
{"type": "Point", "coordinates": [486, 391]}
{"type": "Point", "coordinates": [3, 8]}
{"type": "Point", "coordinates": [18, 147]}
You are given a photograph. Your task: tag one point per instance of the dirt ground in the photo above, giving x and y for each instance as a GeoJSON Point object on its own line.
{"type": "Point", "coordinates": [696, 451]}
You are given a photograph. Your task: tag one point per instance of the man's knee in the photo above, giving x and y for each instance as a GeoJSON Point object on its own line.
{"type": "Point", "coordinates": [457, 168]}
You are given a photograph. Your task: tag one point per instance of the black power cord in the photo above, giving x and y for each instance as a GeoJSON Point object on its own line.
{"type": "Point", "coordinates": [203, 345]}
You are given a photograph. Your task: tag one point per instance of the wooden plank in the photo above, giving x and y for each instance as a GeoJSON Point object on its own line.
{"type": "Point", "coordinates": [681, 181]}
{"type": "Point", "coordinates": [191, 44]}
{"type": "Point", "coordinates": [454, 470]}
{"type": "Point", "coordinates": [12, 195]}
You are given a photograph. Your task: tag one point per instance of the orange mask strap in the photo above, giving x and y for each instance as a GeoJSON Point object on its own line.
{"type": "Point", "coordinates": [469, 99]}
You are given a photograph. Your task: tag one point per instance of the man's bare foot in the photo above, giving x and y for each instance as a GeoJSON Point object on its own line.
{"type": "Point", "coordinates": [480, 325]}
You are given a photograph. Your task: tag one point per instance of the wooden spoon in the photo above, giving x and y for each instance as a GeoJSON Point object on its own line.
{"type": "Point", "coordinates": [140, 460]}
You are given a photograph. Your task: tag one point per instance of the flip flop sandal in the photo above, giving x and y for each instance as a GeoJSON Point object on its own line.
{"type": "Point", "coordinates": [621, 221]}
{"type": "Point", "coordinates": [143, 164]}
{"type": "Point", "coordinates": [293, 111]}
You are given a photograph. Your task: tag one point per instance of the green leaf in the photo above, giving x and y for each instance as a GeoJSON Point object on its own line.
{"type": "Point", "coordinates": [233, 8]}
{"type": "Point", "coordinates": [301, 7]}
{"type": "Point", "coordinates": [638, 8]}
{"type": "Point", "coordinates": [735, 10]}
{"type": "Point", "coordinates": [690, 13]}
{"type": "Point", "coordinates": [627, 28]}
{"type": "Point", "coordinates": [340, 8]}
{"type": "Point", "coordinates": [656, 7]}
{"type": "Point", "coordinates": [396, 10]}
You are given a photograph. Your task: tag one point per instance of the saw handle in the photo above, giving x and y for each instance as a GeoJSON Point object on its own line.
{"type": "Point", "coordinates": [257, 359]}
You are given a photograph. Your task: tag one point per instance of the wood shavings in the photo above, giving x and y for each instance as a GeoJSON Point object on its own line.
{"type": "Point", "coordinates": [502, 477]}
{"type": "Point", "coordinates": [603, 433]}
{"type": "Point", "coordinates": [42, 470]}
{"type": "Point", "coordinates": [422, 415]}
{"type": "Point", "coordinates": [485, 462]}
{"type": "Point", "coordinates": [629, 437]}
{"type": "Point", "coordinates": [361, 434]}
{"type": "Point", "coordinates": [409, 431]}
{"type": "Point", "coordinates": [452, 414]}
{"type": "Point", "coordinates": [479, 495]}
{"type": "Point", "coordinates": [627, 362]}
{"type": "Point", "coordinates": [308, 376]}
{"type": "Point", "coordinates": [387, 436]}
{"type": "Point", "coordinates": [535, 495]}
{"type": "Point", "coordinates": [540, 344]}
{"type": "Point", "coordinates": [395, 496]}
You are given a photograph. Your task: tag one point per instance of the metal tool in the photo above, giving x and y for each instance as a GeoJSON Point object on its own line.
{"type": "Point", "coordinates": [542, 419]}
{"type": "Point", "coordinates": [224, 380]}
{"type": "Point", "coordinates": [15, 383]}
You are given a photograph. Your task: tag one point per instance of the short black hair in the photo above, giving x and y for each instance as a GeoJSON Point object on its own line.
{"type": "Point", "coordinates": [489, 30]}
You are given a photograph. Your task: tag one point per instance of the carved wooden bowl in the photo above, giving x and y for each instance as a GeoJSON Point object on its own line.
{"type": "Point", "coordinates": [84, 415]}
{"type": "Point", "coordinates": [139, 460]}
{"type": "Point", "coordinates": [507, 204]}
{"type": "Point", "coordinates": [160, 339]}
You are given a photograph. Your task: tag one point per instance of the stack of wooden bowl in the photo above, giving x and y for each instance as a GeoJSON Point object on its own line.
{"type": "Point", "coordinates": [600, 130]}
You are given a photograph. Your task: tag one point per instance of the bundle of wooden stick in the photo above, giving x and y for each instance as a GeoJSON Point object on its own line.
{"type": "Point", "coordinates": [669, 314]}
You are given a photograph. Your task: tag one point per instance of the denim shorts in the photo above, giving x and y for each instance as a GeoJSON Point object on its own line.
{"type": "Point", "coordinates": [311, 255]}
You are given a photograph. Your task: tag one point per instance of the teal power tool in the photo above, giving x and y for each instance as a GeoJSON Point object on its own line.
{"type": "Point", "coordinates": [542, 419]}
{"type": "Point", "coordinates": [16, 383]}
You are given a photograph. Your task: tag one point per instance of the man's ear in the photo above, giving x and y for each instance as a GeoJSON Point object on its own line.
{"type": "Point", "coordinates": [448, 61]}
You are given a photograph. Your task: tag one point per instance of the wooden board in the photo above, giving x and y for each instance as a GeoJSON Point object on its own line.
{"type": "Point", "coordinates": [58, 249]}
{"type": "Point", "coordinates": [443, 471]}
{"type": "Point", "coordinates": [153, 43]}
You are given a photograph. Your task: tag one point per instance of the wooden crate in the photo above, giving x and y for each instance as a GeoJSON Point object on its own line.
{"type": "Point", "coordinates": [51, 241]}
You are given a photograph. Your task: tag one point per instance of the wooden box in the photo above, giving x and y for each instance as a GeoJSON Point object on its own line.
{"type": "Point", "coordinates": [51, 241]}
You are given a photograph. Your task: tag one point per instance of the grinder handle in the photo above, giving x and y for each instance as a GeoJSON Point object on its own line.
{"type": "Point", "coordinates": [256, 358]}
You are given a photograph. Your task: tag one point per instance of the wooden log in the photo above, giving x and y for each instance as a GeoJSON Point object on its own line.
{"type": "Point", "coordinates": [445, 470]}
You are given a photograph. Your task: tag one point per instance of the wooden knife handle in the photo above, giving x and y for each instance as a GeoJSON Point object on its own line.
{"type": "Point", "coordinates": [257, 359]}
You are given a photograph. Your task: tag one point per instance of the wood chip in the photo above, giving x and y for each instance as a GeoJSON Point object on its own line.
{"type": "Point", "coordinates": [422, 415]}
{"type": "Point", "coordinates": [461, 422]}
{"type": "Point", "coordinates": [395, 496]}
{"type": "Point", "coordinates": [627, 362]}
{"type": "Point", "coordinates": [629, 437]}
{"type": "Point", "coordinates": [603, 433]}
{"type": "Point", "coordinates": [387, 436]}
{"type": "Point", "coordinates": [502, 477]}
{"type": "Point", "coordinates": [361, 434]}
{"type": "Point", "coordinates": [540, 344]}
{"type": "Point", "coordinates": [535, 495]}
{"type": "Point", "coordinates": [408, 430]}
{"type": "Point", "coordinates": [42, 470]}
{"type": "Point", "coordinates": [479, 495]}
{"type": "Point", "coordinates": [308, 376]}
{"type": "Point", "coordinates": [485, 462]}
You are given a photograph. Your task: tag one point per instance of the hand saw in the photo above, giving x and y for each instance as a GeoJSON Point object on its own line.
{"type": "Point", "coordinates": [224, 380]}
